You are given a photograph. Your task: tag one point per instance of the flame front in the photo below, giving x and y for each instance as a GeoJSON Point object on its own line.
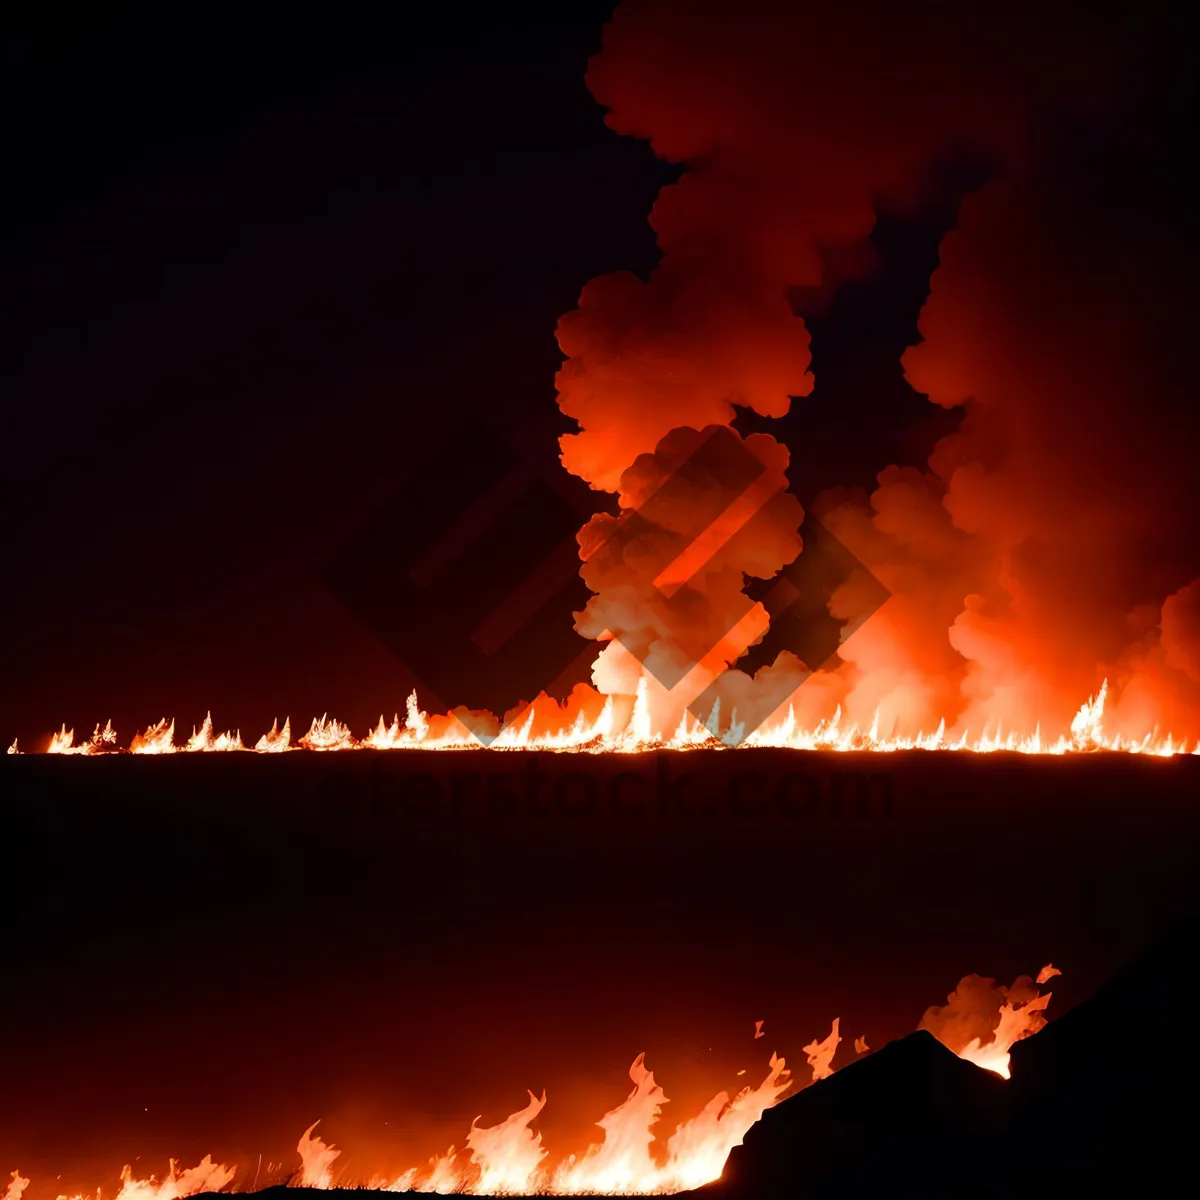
{"type": "Point", "coordinates": [546, 725]}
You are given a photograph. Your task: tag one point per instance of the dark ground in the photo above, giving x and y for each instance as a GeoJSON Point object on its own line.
{"type": "Point", "coordinates": [205, 954]}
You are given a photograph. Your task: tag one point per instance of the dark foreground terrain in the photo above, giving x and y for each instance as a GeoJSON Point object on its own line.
{"type": "Point", "coordinates": [204, 954]}
{"type": "Point", "coordinates": [1100, 1103]}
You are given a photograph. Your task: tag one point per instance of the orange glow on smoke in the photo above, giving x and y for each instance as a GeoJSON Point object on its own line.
{"type": "Point", "coordinates": [509, 1159]}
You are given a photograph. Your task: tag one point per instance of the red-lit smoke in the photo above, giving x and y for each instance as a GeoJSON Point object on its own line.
{"type": "Point", "coordinates": [1034, 554]}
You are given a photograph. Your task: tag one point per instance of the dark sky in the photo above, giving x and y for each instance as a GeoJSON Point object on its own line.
{"type": "Point", "coordinates": [251, 273]}
{"type": "Point", "coordinates": [254, 273]}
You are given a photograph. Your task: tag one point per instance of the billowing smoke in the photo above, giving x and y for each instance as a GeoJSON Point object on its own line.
{"type": "Point", "coordinates": [1033, 555]}
{"type": "Point", "coordinates": [1051, 542]}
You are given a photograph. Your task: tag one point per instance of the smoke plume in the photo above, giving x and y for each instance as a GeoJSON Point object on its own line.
{"type": "Point", "coordinates": [1040, 549]}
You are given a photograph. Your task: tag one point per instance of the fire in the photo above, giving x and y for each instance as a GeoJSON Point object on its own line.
{"type": "Point", "coordinates": [316, 1160]}
{"type": "Point", "coordinates": [508, 1154]}
{"type": "Point", "coordinates": [158, 739]}
{"type": "Point", "coordinates": [509, 1159]}
{"type": "Point", "coordinates": [275, 739]}
{"type": "Point", "coordinates": [628, 728]}
{"type": "Point", "coordinates": [820, 1054]}
{"type": "Point", "coordinates": [63, 742]}
{"type": "Point", "coordinates": [971, 1006]}
{"type": "Point", "coordinates": [622, 1162]}
{"type": "Point", "coordinates": [1015, 1023]}
{"type": "Point", "coordinates": [205, 1176]}
{"type": "Point", "coordinates": [203, 739]}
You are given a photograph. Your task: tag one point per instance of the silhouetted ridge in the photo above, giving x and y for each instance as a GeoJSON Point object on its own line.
{"type": "Point", "coordinates": [912, 1110]}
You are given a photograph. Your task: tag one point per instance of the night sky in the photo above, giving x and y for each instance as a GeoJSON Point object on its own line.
{"type": "Point", "coordinates": [254, 274]}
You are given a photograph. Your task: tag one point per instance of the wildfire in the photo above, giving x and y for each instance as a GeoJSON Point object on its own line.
{"type": "Point", "coordinates": [615, 729]}
{"type": "Point", "coordinates": [509, 1159]}
{"type": "Point", "coordinates": [205, 1176]}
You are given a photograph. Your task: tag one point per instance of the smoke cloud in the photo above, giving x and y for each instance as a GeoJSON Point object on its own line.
{"type": "Point", "coordinates": [1041, 548]}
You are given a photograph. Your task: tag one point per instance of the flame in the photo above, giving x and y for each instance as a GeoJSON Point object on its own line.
{"type": "Point", "coordinates": [443, 1176]}
{"type": "Point", "coordinates": [820, 1054]}
{"type": "Point", "coordinates": [203, 739]}
{"type": "Point", "coordinates": [316, 1160]}
{"type": "Point", "coordinates": [328, 735]}
{"type": "Point", "coordinates": [508, 1154]}
{"type": "Point", "coordinates": [63, 742]}
{"type": "Point", "coordinates": [617, 728]}
{"type": "Point", "coordinates": [158, 739]}
{"type": "Point", "coordinates": [206, 1176]}
{"type": "Point", "coordinates": [275, 740]}
{"type": "Point", "coordinates": [1021, 1014]}
{"type": "Point", "coordinates": [509, 1158]}
{"type": "Point", "coordinates": [622, 1162]}
{"type": "Point", "coordinates": [1016, 1022]}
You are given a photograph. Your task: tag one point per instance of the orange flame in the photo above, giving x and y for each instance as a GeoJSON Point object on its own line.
{"type": "Point", "coordinates": [203, 739]}
{"type": "Point", "coordinates": [206, 1176]}
{"type": "Point", "coordinates": [621, 727]}
{"type": "Point", "coordinates": [158, 739]}
{"type": "Point", "coordinates": [622, 1162]}
{"type": "Point", "coordinates": [508, 1154]}
{"type": "Point", "coordinates": [1016, 1022]}
{"type": "Point", "coordinates": [509, 1158]}
{"type": "Point", "coordinates": [316, 1160]}
{"type": "Point", "coordinates": [820, 1054]}
{"type": "Point", "coordinates": [275, 740]}
{"type": "Point", "coordinates": [1021, 1014]}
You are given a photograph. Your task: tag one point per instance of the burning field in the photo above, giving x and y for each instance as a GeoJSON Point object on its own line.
{"type": "Point", "coordinates": [742, 740]}
{"type": "Point", "coordinates": [509, 1158]}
